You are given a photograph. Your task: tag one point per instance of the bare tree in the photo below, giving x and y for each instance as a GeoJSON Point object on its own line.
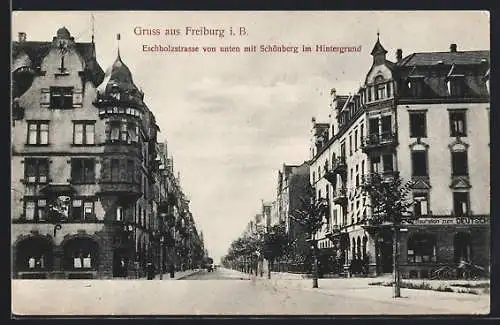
{"type": "Point", "coordinates": [390, 203]}
{"type": "Point", "coordinates": [311, 217]}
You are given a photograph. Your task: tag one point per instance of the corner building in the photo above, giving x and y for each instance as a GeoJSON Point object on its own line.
{"type": "Point", "coordinates": [84, 144]}
{"type": "Point", "coordinates": [426, 118]}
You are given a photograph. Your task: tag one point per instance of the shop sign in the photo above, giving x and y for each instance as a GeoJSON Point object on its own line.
{"type": "Point", "coordinates": [474, 220]}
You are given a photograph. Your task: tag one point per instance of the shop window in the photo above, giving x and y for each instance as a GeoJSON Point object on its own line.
{"type": "Point", "coordinates": [418, 125]}
{"type": "Point", "coordinates": [33, 254]}
{"type": "Point", "coordinates": [462, 247]}
{"type": "Point", "coordinates": [80, 254]}
{"type": "Point", "coordinates": [36, 170]}
{"type": "Point", "coordinates": [422, 248]}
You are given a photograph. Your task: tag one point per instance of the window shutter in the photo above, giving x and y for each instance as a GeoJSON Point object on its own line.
{"type": "Point", "coordinates": [77, 98]}
{"type": "Point", "coordinates": [45, 97]}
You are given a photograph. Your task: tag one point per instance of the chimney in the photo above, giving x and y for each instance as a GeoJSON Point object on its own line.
{"type": "Point", "coordinates": [21, 36]}
{"type": "Point", "coordinates": [399, 55]}
{"type": "Point", "coordinates": [453, 48]}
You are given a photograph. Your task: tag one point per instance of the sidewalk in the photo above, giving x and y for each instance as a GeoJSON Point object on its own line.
{"type": "Point", "coordinates": [179, 275]}
{"type": "Point", "coordinates": [360, 288]}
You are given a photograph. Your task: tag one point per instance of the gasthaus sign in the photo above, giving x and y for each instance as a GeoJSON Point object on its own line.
{"type": "Point", "coordinates": [475, 220]}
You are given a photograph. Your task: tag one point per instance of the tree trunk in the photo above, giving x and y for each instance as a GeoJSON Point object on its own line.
{"type": "Point", "coordinates": [315, 267]}
{"type": "Point", "coordinates": [269, 266]}
{"type": "Point", "coordinates": [395, 264]}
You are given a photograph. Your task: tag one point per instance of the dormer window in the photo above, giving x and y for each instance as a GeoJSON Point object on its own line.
{"type": "Point", "coordinates": [456, 86]}
{"type": "Point", "coordinates": [381, 92]}
{"type": "Point", "coordinates": [416, 87]}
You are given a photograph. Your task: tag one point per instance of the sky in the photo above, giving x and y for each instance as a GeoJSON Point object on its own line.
{"type": "Point", "coordinates": [233, 119]}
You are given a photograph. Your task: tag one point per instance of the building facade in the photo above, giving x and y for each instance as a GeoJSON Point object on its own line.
{"type": "Point", "coordinates": [292, 187]}
{"type": "Point", "coordinates": [87, 174]}
{"type": "Point", "coordinates": [424, 118]}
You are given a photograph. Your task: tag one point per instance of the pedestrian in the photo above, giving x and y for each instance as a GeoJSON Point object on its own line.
{"type": "Point", "coordinates": [150, 271]}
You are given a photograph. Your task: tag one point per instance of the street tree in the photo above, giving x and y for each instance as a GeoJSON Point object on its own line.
{"type": "Point", "coordinates": [276, 244]}
{"type": "Point", "coordinates": [391, 205]}
{"type": "Point", "coordinates": [311, 217]}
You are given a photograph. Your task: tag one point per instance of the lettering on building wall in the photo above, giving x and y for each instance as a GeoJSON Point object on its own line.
{"type": "Point", "coordinates": [479, 220]}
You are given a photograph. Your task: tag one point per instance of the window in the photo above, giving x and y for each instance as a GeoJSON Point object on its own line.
{"type": "Point", "coordinates": [83, 132]}
{"type": "Point", "coordinates": [460, 203]}
{"type": "Point", "coordinates": [388, 163]}
{"type": "Point", "coordinates": [130, 171]}
{"type": "Point", "coordinates": [82, 210]}
{"type": "Point", "coordinates": [36, 170]}
{"type": "Point", "coordinates": [115, 170]}
{"type": "Point", "coordinates": [350, 145]}
{"type": "Point", "coordinates": [381, 92]}
{"type": "Point", "coordinates": [82, 170]}
{"type": "Point", "coordinates": [342, 150]}
{"type": "Point", "coordinates": [357, 180]}
{"type": "Point", "coordinates": [369, 91]}
{"type": "Point", "coordinates": [416, 87]}
{"type": "Point", "coordinates": [61, 97]}
{"type": "Point", "coordinates": [421, 204]}
{"type": "Point", "coordinates": [419, 163]}
{"type": "Point", "coordinates": [389, 90]}
{"type": "Point", "coordinates": [459, 163]}
{"type": "Point", "coordinates": [457, 87]}
{"type": "Point", "coordinates": [38, 132]}
{"type": "Point", "coordinates": [361, 130]}
{"type": "Point", "coordinates": [119, 214]}
{"type": "Point", "coordinates": [418, 125]}
{"type": "Point", "coordinates": [458, 124]}
{"type": "Point", "coordinates": [375, 164]}
{"type": "Point", "coordinates": [35, 209]}
{"type": "Point", "coordinates": [355, 140]}
{"type": "Point", "coordinates": [314, 177]}
{"type": "Point", "coordinates": [114, 131]}
{"type": "Point", "coordinates": [422, 248]}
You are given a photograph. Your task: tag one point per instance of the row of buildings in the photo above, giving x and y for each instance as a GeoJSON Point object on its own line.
{"type": "Point", "coordinates": [424, 117]}
{"type": "Point", "coordinates": [94, 192]}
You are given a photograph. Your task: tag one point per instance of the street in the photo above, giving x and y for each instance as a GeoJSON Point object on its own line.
{"type": "Point", "coordinates": [240, 294]}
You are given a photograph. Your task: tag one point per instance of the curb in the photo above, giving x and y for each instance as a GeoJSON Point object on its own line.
{"type": "Point", "coordinates": [187, 275]}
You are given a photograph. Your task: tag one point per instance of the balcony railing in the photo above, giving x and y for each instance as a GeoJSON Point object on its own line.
{"type": "Point", "coordinates": [373, 141]}
{"type": "Point", "coordinates": [340, 195]}
{"type": "Point", "coordinates": [387, 176]}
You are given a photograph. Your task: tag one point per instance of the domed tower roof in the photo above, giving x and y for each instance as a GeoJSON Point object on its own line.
{"type": "Point", "coordinates": [63, 32]}
{"type": "Point", "coordinates": [118, 78]}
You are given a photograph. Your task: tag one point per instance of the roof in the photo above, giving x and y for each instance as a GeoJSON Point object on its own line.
{"type": "Point", "coordinates": [448, 58]}
{"type": "Point", "coordinates": [37, 51]}
{"type": "Point", "coordinates": [378, 48]}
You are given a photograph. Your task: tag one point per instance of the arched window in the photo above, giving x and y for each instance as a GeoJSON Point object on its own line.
{"type": "Point", "coordinates": [33, 254]}
{"type": "Point", "coordinates": [353, 247]}
{"type": "Point", "coordinates": [422, 248]}
{"type": "Point", "coordinates": [81, 254]}
{"type": "Point", "coordinates": [365, 240]}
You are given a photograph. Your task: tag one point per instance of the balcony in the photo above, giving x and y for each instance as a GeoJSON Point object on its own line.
{"type": "Point", "coordinates": [121, 188]}
{"type": "Point", "coordinates": [387, 176]}
{"type": "Point", "coordinates": [340, 196]}
{"type": "Point", "coordinates": [378, 141]}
